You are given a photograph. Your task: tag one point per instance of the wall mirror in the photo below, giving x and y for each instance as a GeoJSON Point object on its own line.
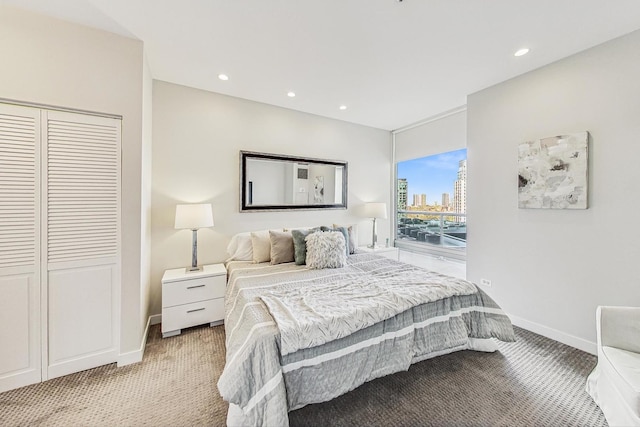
{"type": "Point", "coordinates": [275, 182]}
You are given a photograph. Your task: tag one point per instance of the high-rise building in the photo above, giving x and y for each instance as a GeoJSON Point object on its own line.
{"type": "Point", "coordinates": [419, 200]}
{"type": "Point", "coordinates": [402, 194]}
{"type": "Point", "coordinates": [445, 201]}
{"type": "Point", "coordinates": [460, 189]}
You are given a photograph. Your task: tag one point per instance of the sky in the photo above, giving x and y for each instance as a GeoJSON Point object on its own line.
{"type": "Point", "coordinates": [431, 175]}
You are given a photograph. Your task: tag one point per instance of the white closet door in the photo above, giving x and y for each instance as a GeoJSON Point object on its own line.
{"type": "Point", "coordinates": [19, 247]}
{"type": "Point", "coordinates": [82, 217]}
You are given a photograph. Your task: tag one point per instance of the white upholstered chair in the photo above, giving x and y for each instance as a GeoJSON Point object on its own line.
{"type": "Point", "coordinates": [614, 384]}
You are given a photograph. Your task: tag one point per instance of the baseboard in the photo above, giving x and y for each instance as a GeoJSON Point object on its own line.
{"type": "Point", "coordinates": [554, 334]}
{"type": "Point", "coordinates": [156, 319]}
{"type": "Point", "coordinates": [135, 356]}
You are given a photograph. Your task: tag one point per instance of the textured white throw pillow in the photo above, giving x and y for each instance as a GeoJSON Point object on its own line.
{"type": "Point", "coordinates": [326, 250]}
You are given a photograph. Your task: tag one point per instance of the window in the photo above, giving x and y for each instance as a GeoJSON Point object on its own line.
{"type": "Point", "coordinates": [432, 204]}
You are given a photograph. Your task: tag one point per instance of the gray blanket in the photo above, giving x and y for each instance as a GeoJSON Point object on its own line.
{"type": "Point", "coordinates": [262, 383]}
{"type": "Point", "coordinates": [323, 309]}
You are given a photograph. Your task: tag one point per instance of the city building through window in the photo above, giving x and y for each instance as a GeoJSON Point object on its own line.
{"type": "Point", "coordinates": [432, 203]}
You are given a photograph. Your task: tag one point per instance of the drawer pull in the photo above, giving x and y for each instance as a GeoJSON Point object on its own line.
{"type": "Point", "coordinates": [196, 286]}
{"type": "Point", "coordinates": [197, 309]}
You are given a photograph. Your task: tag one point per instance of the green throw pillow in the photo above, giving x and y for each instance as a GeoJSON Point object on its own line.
{"type": "Point", "coordinates": [300, 246]}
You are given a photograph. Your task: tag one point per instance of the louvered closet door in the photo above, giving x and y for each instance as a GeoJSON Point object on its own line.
{"type": "Point", "coordinates": [19, 247]}
{"type": "Point", "coordinates": [82, 241]}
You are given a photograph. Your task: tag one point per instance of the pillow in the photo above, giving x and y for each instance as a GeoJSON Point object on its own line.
{"type": "Point", "coordinates": [326, 250]}
{"type": "Point", "coordinates": [261, 245]}
{"type": "Point", "coordinates": [281, 246]}
{"type": "Point", "coordinates": [240, 248]}
{"type": "Point", "coordinates": [344, 232]}
{"type": "Point", "coordinates": [299, 244]}
{"type": "Point", "coordinates": [299, 228]}
{"type": "Point", "coordinates": [353, 237]}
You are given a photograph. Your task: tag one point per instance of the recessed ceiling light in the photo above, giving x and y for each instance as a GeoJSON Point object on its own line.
{"type": "Point", "coordinates": [223, 77]}
{"type": "Point", "coordinates": [291, 94]}
{"type": "Point", "coordinates": [522, 51]}
{"type": "Point", "coordinates": [343, 107]}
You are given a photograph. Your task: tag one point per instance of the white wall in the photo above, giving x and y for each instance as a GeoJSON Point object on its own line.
{"type": "Point", "coordinates": [197, 139]}
{"type": "Point", "coordinates": [48, 61]}
{"type": "Point", "coordinates": [551, 268]}
{"type": "Point", "coordinates": [145, 208]}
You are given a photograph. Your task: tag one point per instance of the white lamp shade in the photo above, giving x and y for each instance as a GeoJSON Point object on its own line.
{"type": "Point", "coordinates": [194, 216]}
{"type": "Point", "coordinates": [375, 210]}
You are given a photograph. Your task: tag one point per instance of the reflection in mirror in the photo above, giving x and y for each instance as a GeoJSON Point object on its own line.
{"type": "Point", "coordinates": [276, 182]}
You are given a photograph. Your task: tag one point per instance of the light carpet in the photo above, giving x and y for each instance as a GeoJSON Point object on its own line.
{"type": "Point", "coordinates": [532, 382]}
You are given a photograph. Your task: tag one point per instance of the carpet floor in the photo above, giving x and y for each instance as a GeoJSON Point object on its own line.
{"type": "Point", "coordinates": [532, 382]}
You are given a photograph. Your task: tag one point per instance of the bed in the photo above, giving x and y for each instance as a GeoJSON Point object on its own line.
{"type": "Point", "coordinates": [297, 336]}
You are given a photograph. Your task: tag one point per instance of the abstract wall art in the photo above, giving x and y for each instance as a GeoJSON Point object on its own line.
{"type": "Point", "coordinates": [318, 190]}
{"type": "Point", "coordinates": [552, 172]}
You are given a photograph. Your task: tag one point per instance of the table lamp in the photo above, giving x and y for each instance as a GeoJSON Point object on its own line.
{"type": "Point", "coordinates": [374, 211]}
{"type": "Point", "coordinates": [193, 217]}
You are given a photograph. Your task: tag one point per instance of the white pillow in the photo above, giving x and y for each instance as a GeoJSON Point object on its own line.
{"type": "Point", "coordinates": [326, 250]}
{"type": "Point", "coordinates": [261, 245]}
{"type": "Point", "coordinates": [240, 247]}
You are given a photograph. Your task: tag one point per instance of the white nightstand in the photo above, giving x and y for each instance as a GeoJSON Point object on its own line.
{"type": "Point", "coordinates": [390, 252]}
{"type": "Point", "coordinates": [192, 298]}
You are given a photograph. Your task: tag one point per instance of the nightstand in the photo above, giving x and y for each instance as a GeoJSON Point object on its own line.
{"type": "Point", "coordinates": [192, 298]}
{"type": "Point", "coordinates": [390, 252]}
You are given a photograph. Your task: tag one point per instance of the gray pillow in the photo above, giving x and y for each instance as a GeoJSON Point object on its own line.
{"type": "Point", "coordinates": [326, 250]}
{"type": "Point", "coordinates": [353, 237]}
{"type": "Point", "coordinates": [281, 246]}
{"type": "Point", "coordinates": [299, 244]}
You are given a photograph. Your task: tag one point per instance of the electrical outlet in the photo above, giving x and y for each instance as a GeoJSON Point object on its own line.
{"type": "Point", "coordinates": [485, 282]}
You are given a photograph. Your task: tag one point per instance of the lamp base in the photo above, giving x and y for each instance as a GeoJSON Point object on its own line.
{"type": "Point", "coordinates": [194, 253]}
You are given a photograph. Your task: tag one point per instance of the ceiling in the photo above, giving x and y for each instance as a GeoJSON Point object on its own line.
{"type": "Point", "coordinates": [391, 63]}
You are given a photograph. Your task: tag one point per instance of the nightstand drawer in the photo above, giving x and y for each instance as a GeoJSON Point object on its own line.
{"type": "Point", "coordinates": [188, 291]}
{"type": "Point", "coordinates": [197, 313]}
